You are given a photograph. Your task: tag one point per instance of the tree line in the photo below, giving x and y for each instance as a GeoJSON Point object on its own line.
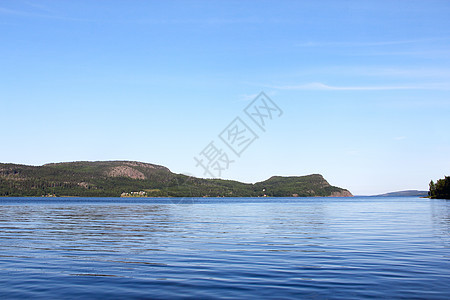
{"type": "Point", "coordinates": [440, 189]}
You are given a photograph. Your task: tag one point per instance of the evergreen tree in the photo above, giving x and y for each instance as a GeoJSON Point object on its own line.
{"type": "Point", "coordinates": [440, 190]}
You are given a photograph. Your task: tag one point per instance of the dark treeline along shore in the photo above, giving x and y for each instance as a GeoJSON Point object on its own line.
{"type": "Point", "coordinates": [440, 189]}
{"type": "Point", "coordinates": [137, 179]}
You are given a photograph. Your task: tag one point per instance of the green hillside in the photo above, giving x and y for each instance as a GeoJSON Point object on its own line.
{"type": "Point", "coordinates": [128, 178]}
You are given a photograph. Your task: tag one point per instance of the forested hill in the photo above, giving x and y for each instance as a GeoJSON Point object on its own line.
{"type": "Point", "coordinates": [129, 178]}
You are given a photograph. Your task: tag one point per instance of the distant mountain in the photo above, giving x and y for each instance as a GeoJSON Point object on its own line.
{"type": "Point", "coordinates": [138, 179]}
{"type": "Point", "coordinates": [408, 193]}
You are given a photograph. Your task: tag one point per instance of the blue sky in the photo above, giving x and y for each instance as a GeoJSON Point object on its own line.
{"type": "Point", "coordinates": [364, 85]}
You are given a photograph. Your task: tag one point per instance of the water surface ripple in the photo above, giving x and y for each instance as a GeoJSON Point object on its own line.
{"type": "Point", "coordinates": [279, 248]}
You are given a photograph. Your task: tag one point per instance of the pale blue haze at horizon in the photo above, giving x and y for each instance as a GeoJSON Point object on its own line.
{"type": "Point", "coordinates": [364, 86]}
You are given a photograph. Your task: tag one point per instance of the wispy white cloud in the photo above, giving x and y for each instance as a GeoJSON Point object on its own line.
{"type": "Point", "coordinates": [210, 21]}
{"type": "Point", "coordinates": [26, 14]}
{"type": "Point", "coordinates": [352, 152]}
{"type": "Point", "coordinates": [400, 138]}
{"type": "Point", "coordinates": [247, 97]}
{"type": "Point", "coordinates": [432, 47]}
{"type": "Point", "coordinates": [39, 6]}
{"type": "Point", "coordinates": [402, 72]}
{"type": "Point", "coordinates": [42, 12]}
{"type": "Point", "coordinates": [250, 97]}
{"type": "Point", "coordinates": [441, 74]}
{"type": "Point", "coordinates": [310, 44]}
{"type": "Point", "coordinates": [434, 53]}
{"type": "Point", "coordinates": [324, 87]}
{"type": "Point", "coordinates": [7, 11]}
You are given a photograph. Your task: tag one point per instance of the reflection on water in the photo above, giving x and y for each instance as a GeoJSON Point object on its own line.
{"type": "Point", "coordinates": [276, 248]}
{"type": "Point", "coordinates": [440, 214]}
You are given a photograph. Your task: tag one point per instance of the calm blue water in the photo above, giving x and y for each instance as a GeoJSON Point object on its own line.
{"type": "Point", "coordinates": [315, 248]}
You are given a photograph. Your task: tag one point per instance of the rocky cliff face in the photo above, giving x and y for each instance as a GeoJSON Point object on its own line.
{"type": "Point", "coordinates": [125, 171]}
{"type": "Point", "coordinates": [343, 193]}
